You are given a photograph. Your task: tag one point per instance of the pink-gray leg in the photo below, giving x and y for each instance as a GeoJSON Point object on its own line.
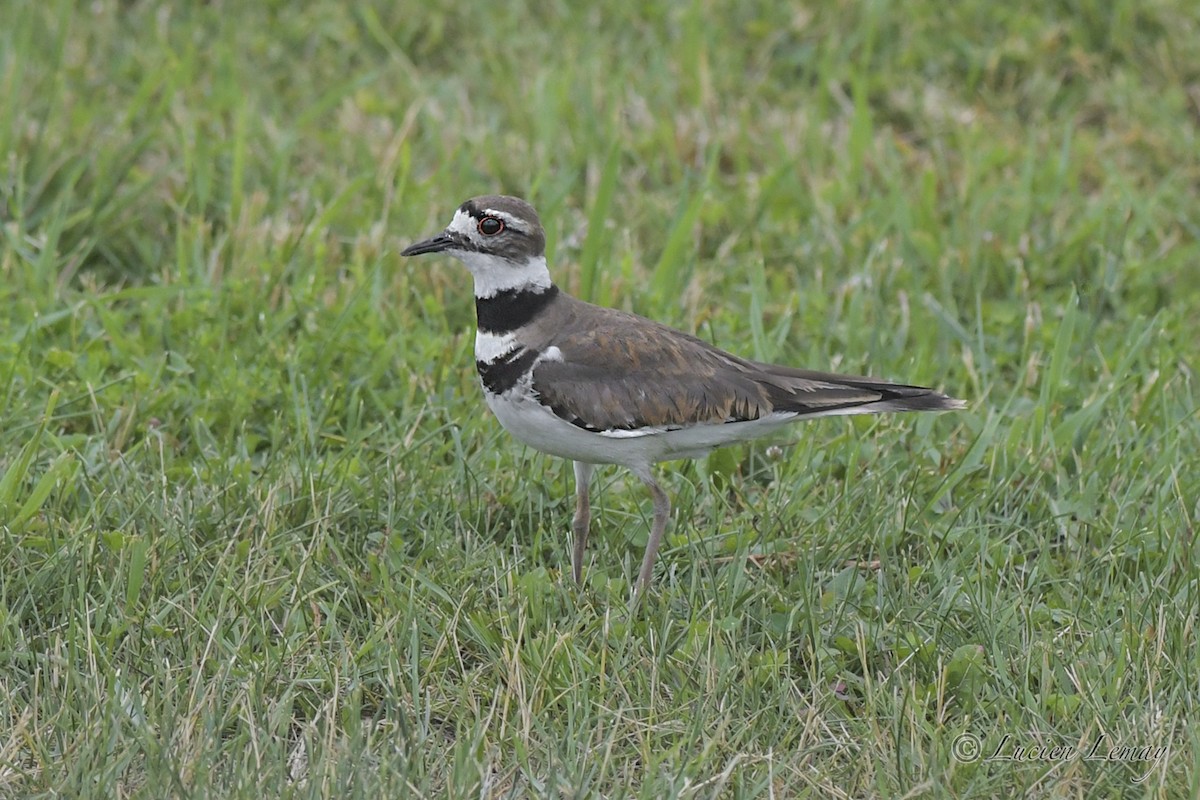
{"type": "Point", "coordinates": [662, 513]}
{"type": "Point", "coordinates": [583, 518]}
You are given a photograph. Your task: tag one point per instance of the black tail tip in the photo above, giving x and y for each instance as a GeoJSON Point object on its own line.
{"type": "Point", "coordinates": [930, 401]}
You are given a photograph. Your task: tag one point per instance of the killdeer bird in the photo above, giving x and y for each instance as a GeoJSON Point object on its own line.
{"type": "Point", "coordinates": [602, 386]}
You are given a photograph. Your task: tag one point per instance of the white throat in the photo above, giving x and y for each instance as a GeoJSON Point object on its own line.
{"type": "Point", "coordinates": [494, 274]}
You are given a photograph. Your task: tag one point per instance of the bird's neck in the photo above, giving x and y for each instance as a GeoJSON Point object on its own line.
{"type": "Point", "coordinates": [508, 293]}
{"type": "Point", "coordinates": [495, 275]}
{"type": "Point", "coordinates": [510, 309]}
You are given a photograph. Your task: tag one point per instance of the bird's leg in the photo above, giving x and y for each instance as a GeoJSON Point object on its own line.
{"type": "Point", "coordinates": [583, 518]}
{"type": "Point", "coordinates": [662, 512]}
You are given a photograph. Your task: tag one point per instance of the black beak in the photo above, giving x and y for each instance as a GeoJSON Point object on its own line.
{"type": "Point", "coordinates": [434, 244]}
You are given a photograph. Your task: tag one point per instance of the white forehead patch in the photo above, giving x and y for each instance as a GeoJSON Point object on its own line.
{"type": "Point", "coordinates": [462, 223]}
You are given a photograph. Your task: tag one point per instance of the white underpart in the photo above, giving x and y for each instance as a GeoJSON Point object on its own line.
{"type": "Point", "coordinates": [537, 426]}
{"type": "Point", "coordinates": [729, 432]}
{"type": "Point", "coordinates": [494, 274]}
{"type": "Point", "coordinates": [491, 346]}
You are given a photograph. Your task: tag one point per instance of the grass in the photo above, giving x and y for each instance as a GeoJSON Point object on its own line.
{"type": "Point", "coordinates": [260, 539]}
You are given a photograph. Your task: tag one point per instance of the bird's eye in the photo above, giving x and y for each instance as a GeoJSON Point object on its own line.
{"type": "Point", "coordinates": [490, 226]}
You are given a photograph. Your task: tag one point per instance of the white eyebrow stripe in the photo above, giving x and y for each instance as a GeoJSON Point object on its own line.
{"type": "Point", "coordinates": [508, 219]}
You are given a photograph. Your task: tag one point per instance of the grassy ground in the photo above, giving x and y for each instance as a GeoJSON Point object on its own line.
{"type": "Point", "coordinates": [260, 538]}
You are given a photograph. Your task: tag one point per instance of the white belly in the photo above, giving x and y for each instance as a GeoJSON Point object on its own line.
{"type": "Point", "coordinates": [541, 429]}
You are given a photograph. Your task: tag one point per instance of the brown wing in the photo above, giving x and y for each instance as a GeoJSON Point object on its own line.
{"type": "Point", "coordinates": [621, 371]}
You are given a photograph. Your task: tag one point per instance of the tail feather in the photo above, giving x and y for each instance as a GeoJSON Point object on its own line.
{"type": "Point", "coordinates": [929, 401]}
{"type": "Point", "coordinates": [822, 394]}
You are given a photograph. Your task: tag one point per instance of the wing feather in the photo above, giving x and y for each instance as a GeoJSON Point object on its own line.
{"type": "Point", "coordinates": [625, 372]}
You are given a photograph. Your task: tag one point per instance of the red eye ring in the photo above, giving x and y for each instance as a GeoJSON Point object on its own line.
{"type": "Point", "coordinates": [490, 226]}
